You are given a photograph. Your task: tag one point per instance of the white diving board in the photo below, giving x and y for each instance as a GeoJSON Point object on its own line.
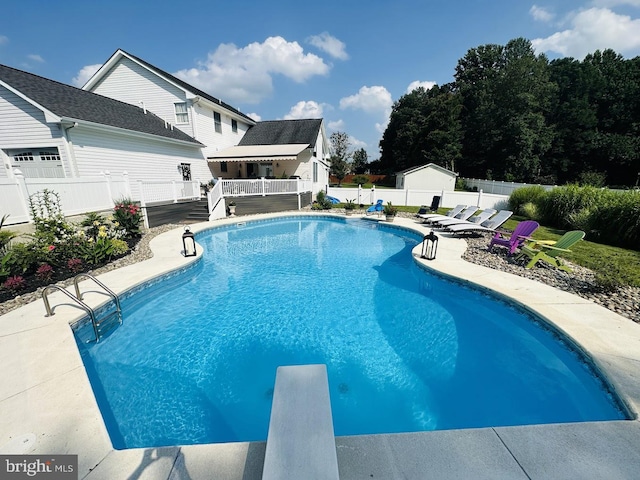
{"type": "Point", "coordinates": [301, 443]}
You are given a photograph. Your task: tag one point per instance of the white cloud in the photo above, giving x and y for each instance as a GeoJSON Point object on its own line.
{"type": "Point", "coordinates": [593, 29]}
{"type": "Point", "coordinates": [254, 116]}
{"type": "Point", "coordinates": [330, 45]}
{"type": "Point", "coordinates": [376, 100]}
{"type": "Point", "coordinates": [541, 14]}
{"type": "Point", "coordinates": [85, 74]}
{"type": "Point", "coordinates": [245, 74]}
{"type": "Point", "coordinates": [613, 3]}
{"type": "Point", "coordinates": [4, 40]}
{"type": "Point", "coordinates": [35, 58]}
{"type": "Point", "coordinates": [309, 109]}
{"type": "Point", "coordinates": [336, 125]}
{"type": "Point", "coordinates": [427, 85]}
{"type": "Point", "coordinates": [356, 144]}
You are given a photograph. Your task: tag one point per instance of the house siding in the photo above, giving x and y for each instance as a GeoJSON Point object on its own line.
{"type": "Point", "coordinates": [427, 178]}
{"type": "Point", "coordinates": [131, 83]}
{"type": "Point", "coordinates": [23, 126]}
{"type": "Point", "coordinates": [142, 159]}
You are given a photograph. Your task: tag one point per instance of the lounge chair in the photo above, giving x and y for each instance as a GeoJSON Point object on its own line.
{"type": "Point", "coordinates": [486, 214]}
{"type": "Point", "coordinates": [461, 217]}
{"type": "Point", "coordinates": [451, 213]}
{"type": "Point", "coordinates": [333, 200]}
{"type": "Point", "coordinates": [490, 225]}
{"type": "Point", "coordinates": [435, 203]}
{"type": "Point", "coordinates": [514, 240]}
{"type": "Point", "coordinates": [377, 208]}
{"type": "Point", "coordinates": [541, 251]}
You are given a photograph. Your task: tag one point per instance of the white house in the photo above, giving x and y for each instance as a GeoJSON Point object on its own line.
{"type": "Point", "coordinates": [278, 149]}
{"type": "Point", "coordinates": [426, 177]}
{"type": "Point", "coordinates": [235, 145]}
{"type": "Point", "coordinates": [52, 130]}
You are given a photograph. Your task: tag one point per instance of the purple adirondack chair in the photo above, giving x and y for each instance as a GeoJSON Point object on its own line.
{"type": "Point", "coordinates": [514, 240]}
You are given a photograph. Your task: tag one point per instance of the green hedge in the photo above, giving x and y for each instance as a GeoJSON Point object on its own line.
{"type": "Point", "coordinates": [607, 216]}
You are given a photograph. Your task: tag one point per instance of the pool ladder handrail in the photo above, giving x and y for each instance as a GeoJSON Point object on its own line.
{"type": "Point", "coordinates": [84, 306]}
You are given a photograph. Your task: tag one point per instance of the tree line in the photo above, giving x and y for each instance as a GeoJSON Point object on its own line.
{"type": "Point", "coordinates": [513, 115]}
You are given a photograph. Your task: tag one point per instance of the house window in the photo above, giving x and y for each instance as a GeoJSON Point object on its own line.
{"type": "Point", "coordinates": [223, 166]}
{"type": "Point", "coordinates": [182, 115]}
{"type": "Point", "coordinates": [315, 172]}
{"type": "Point", "coordinates": [217, 121]}
{"type": "Point", "coordinates": [234, 126]}
{"type": "Point", "coordinates": [23, 157]}
{"type": "Point", "coordinates": [185, 170]}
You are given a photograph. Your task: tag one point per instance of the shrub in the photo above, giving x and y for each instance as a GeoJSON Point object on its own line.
{"type": "Point", "coordinates": [74, 265]}
{"type": "Point", "coordinates": [49, 222]}
{"type": "Point", "coordinates": [350, 205]}
{"type": "Point", "coordinates": [562, 203]}
{"type": "Point", "coordinates": [322, 202]}
{"type": "Point", "coordinates": [5, 236]}
{"type": "Point", "coordinates": [14, 284]}
{"type": "Point", "coordinates": [360, 179]}
{"type": "Point", "coordinates": [530, 210]}
{"type": "Point", "coordinates": [127, 215]}
{"type": "Point", "coordinates": [389, 209]}
{"type": "Point", "coordinates": [533, 194]}
{"type": "Point", "coordinates": [44, 272]}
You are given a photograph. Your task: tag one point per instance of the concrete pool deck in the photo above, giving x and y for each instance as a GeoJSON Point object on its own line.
{"type": "Point", "coordinates": [47, 405]}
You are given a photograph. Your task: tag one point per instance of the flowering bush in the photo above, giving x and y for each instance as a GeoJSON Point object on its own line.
{"type": "Point", "coordinates": [127, 215]}
{"type": "Point", "coordinates": [74, 265]}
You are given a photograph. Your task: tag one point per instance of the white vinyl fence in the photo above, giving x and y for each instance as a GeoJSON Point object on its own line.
{"type": "Point", "coordinates": [448, 199]}
{"type": "Point", "coordinates": [77, 195]}
{"type": "Point", "coordinates": [501, 188]}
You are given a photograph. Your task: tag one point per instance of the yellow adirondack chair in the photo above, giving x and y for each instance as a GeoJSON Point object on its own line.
{"type": "Point", "coordinates": [545, 252]}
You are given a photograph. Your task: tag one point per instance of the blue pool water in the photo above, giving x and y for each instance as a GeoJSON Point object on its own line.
{"type": "Point", "coordinates": [195, 360]}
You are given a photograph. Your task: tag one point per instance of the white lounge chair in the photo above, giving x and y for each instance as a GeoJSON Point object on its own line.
{"type": "Point", "coordinates": [487, 226]}
{"type": "Point", "coordinates": [486, 214]}
{"type": "Point", "coordinates": [426, 218]}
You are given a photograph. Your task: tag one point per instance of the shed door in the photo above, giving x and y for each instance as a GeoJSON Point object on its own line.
{"type": "Point", "coordinates": [37, 162]}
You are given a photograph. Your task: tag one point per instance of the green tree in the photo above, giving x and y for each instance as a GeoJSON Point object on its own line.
{"type": "Point", "coordinates": [360, 161]}
{"type": "Point", "coordinates": [339, 158]}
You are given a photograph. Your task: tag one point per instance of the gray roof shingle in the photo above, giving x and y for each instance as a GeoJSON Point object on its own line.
{"type": "Point", "coordinates": [73, 103]}
{"type": "Point", "coordinates": [279, 132]}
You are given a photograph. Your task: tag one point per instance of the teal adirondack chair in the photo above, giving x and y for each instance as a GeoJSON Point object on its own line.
{"type": "Point", "coordinates": [540, 251]}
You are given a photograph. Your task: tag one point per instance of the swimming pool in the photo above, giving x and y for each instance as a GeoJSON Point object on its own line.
{"type": "Point", "coordinates": [405, 351]}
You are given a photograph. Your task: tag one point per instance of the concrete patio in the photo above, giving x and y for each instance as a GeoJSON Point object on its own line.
{"type": "Point", "coordinates": [47, 404]}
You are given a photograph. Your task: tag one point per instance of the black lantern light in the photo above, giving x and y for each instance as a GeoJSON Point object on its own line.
{"type": "Point", "coordinates": [189, 243]}
{"type": "Point", "coordinates": [429, 246]}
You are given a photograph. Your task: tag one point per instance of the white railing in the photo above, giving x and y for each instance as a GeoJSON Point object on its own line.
{"type": "Point", "coordinates": [263, 187]}
{"type": "Point", "coordinates": [501, 188]}
{"type": "Point", "coordinates": [217, 207]}
{"type": "Point", "coordinates": [77, 195]}
{"type": "Point", "coordinates": [448, 199]}
{"type": "Point", "coordinates": [163, 191]}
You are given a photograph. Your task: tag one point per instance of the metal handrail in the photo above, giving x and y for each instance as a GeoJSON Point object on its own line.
{"type": "Point", "coordinates": [76, 280]}
{"type": "Point", "coordinates": [83, 305]}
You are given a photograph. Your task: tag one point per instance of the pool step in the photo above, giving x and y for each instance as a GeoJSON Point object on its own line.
{"type": "Point", "coordinates": [301, 443]}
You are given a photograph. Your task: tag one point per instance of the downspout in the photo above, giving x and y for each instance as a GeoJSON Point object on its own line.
{"type": "Point", "coordinates": [69, 147]}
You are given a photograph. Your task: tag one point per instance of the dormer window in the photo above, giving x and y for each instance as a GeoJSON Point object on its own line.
{"type": "Point", "coordinates": [234, 126]}
{"type": "Point", "coordinates": [182, 115]}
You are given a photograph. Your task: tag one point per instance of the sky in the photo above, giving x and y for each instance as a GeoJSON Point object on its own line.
{"type": "Point", "coordinates": [344, 61]}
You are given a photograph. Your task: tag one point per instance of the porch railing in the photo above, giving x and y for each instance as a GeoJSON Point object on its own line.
{"type": "Point", "coordinates": [263, 187]}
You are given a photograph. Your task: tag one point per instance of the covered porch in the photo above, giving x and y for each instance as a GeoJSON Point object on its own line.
{"type": "Point", "coordinates": [289, 161]}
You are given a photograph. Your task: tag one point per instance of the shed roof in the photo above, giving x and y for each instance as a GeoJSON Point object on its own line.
{"type": "Point", "coordinates": [74, 104]}
{"type": "Point", "coordinates": [428, 165]}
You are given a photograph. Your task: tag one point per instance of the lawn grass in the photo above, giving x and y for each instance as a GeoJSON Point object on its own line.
{"type": "Point", "coordinates": [613, 266]}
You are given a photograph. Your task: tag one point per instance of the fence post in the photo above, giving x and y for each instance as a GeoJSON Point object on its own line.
{"type": "Point", "coordinates": [372, 200]}
{"type": "Point", "coordinates": [442, 198]}
{"type": "Point", "coordinates": [406, 197]}
{"type": "Point", "coordinates": [359, 194]}
{"type": "Point", "coordinates": [24, 192]}
{"type": "Point", "coordinates": [264, 186]}
{"type": "Point", "coordinates": [174, 188]}
{"type": "Point", "coordinates": [127, 185]}
{"type": "Point", "coordinates": [479, 198]}
{"type": "Point", "coordinates": [107, 180]}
